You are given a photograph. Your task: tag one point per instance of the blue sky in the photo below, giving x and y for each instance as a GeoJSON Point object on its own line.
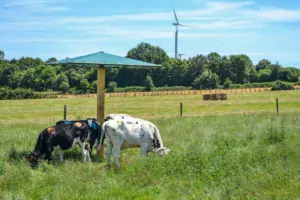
{"type": "Point", "coordinates": [69, 28]}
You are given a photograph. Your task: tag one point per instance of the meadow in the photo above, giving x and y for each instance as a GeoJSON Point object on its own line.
{"type": "Point", "coordinates": [235, 149]}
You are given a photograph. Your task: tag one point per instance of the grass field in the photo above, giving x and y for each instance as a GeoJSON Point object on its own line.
{"type": "Point", "coordinates": [236, 149]}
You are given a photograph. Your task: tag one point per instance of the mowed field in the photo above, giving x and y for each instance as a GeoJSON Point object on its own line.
{"type": "Point", "coordinates": [235, 149]}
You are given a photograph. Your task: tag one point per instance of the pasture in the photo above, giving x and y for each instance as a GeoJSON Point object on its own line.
{"type": "Point", "coordinates": [235, 149]}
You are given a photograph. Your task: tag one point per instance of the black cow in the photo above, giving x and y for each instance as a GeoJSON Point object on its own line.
{"type": "Point", "coordinates": [94, 129]}
{"type": "Point", "coordinates": [64, 136]}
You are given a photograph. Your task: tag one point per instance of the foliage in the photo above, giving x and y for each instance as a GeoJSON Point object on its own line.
{"type": "Point", "coordinates": [262, 64]}
{"type": "Point", "coordinates": [7, 93]}
{"type": "Point", "coordinates": [35, 74]}
{"type": "Point", "coordinates": [148, 53]}
{"type": "Point", "coordinates": [149, 86]}
{"type": "Point", "coordinates": [2, 55]}
{"type": "Point", "coordinates": [84, 85]}
{"type": "Point", "coordinates": [112, 86]}
{"type": "Point", "coordinates": [279, 85]}
{"type": "Point", "coordinates": [227, 83]}
{"type": "Point", "coordinates": [207, 80]}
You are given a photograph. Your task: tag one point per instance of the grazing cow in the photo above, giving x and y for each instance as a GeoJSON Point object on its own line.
{"type": "Point", "coordinates": [94, 129]}
{"type": "Point", "coordinates": [118, 116]}
{"type": "Point", "coordinates": [64, 136]}
{"type": "Point", "coordinates": [110, 117]}
{"type": "Point", "coordinates": [122, 134]}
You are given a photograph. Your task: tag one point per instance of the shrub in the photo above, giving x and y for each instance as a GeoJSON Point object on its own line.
{"type": "Point", "coordinates": [149, 83]}
{"type": "Point", "coordinates": [279, 85]}
{"type": "Point", "coordinates": [207, 80]}
{"type": "Point", "coordinates": [227, 83]}
{"type": "Point", "coordinates": [112, 86]}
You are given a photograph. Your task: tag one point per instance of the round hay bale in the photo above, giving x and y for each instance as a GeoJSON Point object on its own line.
{"type": "Point", "coordinates": [223, 96]}
{"type": "Point", "coordinates": [206, 97]}
{"type": "Point", "coordinates": [215, 97]}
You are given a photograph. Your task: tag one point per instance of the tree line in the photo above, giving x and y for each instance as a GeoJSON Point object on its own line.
{"type": "Point", "coordinates": [200, 72]}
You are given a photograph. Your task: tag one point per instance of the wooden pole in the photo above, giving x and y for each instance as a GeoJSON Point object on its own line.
{"type": "Point", "coordinates": [277, 105]}
{"type": "Point", "coordinates": [180, 109]}
{"type": "Point", "coordinates": [100, 101]}
{"type": "Point", "coordinates": [65, 112]}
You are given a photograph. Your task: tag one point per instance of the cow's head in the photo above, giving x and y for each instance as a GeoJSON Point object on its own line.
{"type": "Point", "coordinates": [33, 160]}
{"type": "Point", "coordinates": [162, 151]}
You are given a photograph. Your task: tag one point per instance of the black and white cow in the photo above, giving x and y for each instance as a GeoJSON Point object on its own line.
{"type": "Point", "coordinates": [94, 129]}
{"type": "Point", "coordinates": [131, 133]}
{"type": "Point", "coordinates": [63, 136]}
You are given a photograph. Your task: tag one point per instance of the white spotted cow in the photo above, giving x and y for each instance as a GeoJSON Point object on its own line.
{"type": "Point", "coordinates": [121, 134]}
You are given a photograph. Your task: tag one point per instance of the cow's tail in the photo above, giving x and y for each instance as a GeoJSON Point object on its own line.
{"type": "Point", "coordinates": [102, 136]}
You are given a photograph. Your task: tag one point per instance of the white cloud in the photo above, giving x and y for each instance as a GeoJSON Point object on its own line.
{"type": "Point", "coordinates": [35, 6]}
{"type": "Point", "coordinates": [279, 15]}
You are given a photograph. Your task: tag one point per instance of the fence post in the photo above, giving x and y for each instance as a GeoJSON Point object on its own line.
{"type": "Point", "coordinates": [180, 109]}
{"type": "Point", "coordinates": [65, 112]}
{"type": "Point", "coordinates": [277, 105]}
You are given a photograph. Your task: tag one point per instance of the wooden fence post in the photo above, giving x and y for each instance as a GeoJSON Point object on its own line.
{"type": "Point", "coordinates": [180, 109]}
{"type": "Point", "coordinates": [65, 112]}
{"type": "Point", "coordinates": [277, 105]}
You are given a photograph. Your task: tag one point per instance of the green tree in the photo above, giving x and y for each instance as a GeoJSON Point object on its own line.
{"type": "Point", "coordinates": [175, 71]}
{"type": "Point", "coordinates": [63, 87]}
{"type": "Point", "coordinates": [207, 80]}
{"type": "Point", "coordinates": [214, 62]}
{"type": "Point", "coordinates": [28, 79]}
{"type": "Point", "coordinates": [262, 64]}
{"type": "Point", "coordinates": [227, 83]}
{"type": "Point", "coordinates": [285, 75]}
{"type": "Point", "coordinates": [275, 72]}
{"type": "Point", "coordinates": [148, 53]}
{"type": "Point", "coordinates": [93, 87]}
{"type": "Point", "coordinates": [2, 55]}
{"type": "Point", "coordinates": [149, 83]}
{"type": "Point", "coordinates": [62, 83]}
{"type": "Point", "coordinates": [17, 79]}
{"type": "Point", "coordinates": [47, 78]}
{"type": "Point", "coordinates": [112, 86]}
{"type": "Point", "coordinates": [264, 75]}
{"type": "Point", "coordinates": [195, 67]}
{"type": "Point", "coordinates": [84, 85]}
{"type": "Point", "coordinates": [225, 70]}
{"type": "Point", "coordinates": [50, 60]}
{"type": "Point", "coordinates": [241, 66]}
{"type": "Point", "coordinates": [7, 73]}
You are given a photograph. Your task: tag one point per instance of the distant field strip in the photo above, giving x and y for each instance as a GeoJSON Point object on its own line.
{"type": "Point", "coordinates": [167, 93]}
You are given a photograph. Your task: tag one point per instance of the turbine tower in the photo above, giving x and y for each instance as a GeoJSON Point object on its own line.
{"type": "Point", "coordinates": [176, 24]}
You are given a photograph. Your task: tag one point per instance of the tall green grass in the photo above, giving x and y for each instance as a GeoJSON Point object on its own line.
{"type": "Point", "coordinates": [244, 156]}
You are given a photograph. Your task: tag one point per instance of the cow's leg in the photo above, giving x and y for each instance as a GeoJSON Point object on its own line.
{"type": "Point", "coordinates": [84, 152]}
{"type": "Point", "coordinates": [144, 149]}
{"type": "Point", "coordinates": [116, 152]}
{"type": "Point", "coordinates": [48, 153]}
{"type": "Point", "coordinates": [108, 151]}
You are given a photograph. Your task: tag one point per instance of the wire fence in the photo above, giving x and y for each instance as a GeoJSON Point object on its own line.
{"type": "Point", "coordinates": [169, 93]}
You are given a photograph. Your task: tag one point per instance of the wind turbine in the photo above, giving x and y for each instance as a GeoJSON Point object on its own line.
{"type": "Point", "coordinates": [180, 54]}
{"type": "Point", "coordinates": [176, 24]}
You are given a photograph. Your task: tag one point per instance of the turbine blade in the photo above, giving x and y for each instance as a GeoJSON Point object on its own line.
{"type": "Point", "coordinates": [175, 15]}
{"type": "Point", "coordinates": [186, 25]}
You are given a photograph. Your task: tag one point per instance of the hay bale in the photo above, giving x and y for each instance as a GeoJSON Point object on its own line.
{"type": "Point", "coordinates": [206, 97]}
{"type": "Point", "coordinates": [215, 97]}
